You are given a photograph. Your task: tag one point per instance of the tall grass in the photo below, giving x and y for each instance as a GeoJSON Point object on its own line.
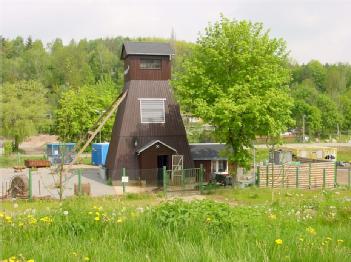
{"type": "Point", "coordinates": [312, 227]}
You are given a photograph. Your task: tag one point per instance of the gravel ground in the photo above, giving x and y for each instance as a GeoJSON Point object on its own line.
{"type": "Point", "coordinates": [44, 182]}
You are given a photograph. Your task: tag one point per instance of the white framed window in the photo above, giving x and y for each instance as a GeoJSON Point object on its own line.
{"type": "Point", "coordinates": [146, 63]}
{"type": "Point", "coordinates": [219, 166]}
{"type": "Point", "coordinates": [152, 110]}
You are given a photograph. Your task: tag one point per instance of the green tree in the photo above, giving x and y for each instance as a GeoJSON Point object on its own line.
{"type": "Point", "coordinates": [331, 117]}
{"type": "Point", "coordinates": [345, 107]}
{"type": "Point", "coordinates": [305, 105]}
{"type": "Point", "coordinates": [80, 108]}
{"type": "Point", "coordinates": [317, 72]}
{"type": "Point", "coordinates": [24, 110]}
{"type": "Point", "coordinates": [236, 80]}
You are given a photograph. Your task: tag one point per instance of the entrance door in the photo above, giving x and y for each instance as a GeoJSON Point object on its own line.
{"type": "Point", "coordinates": [162, 160]}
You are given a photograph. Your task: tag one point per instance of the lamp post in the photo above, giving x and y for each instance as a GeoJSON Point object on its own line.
{"type": "Point", "coordinates": [303, 129]}
{"type": "Point", "coordinates": [100, 112]}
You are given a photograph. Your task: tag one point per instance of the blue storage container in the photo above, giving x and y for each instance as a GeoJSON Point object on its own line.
{"type": "Point", "coordinates": [99, 153]}
{"type": "Point", "coordinates": [55, 151]}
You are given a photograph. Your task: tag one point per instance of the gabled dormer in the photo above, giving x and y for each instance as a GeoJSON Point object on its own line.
{"type": "Point", "coordinates": [146, 61]}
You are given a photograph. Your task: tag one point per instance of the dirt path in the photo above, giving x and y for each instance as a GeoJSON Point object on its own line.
{"type": "Point", "coordinates": [35, 145]}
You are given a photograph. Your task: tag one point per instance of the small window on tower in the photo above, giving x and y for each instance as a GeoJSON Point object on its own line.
{"type": "Point", "coordinates": [152, 110]}
{"type": "Point", "coordinates": [150, 63]}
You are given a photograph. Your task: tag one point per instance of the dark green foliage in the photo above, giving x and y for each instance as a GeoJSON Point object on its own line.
{"type": "Point", "coordinates": [323, 94]}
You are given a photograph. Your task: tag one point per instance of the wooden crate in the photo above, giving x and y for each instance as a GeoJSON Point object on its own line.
{"type": "Point", "coordinates": [37, 163]}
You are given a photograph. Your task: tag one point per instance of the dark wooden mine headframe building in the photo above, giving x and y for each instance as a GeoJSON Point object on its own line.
{"type": "Point", "coordinates": [148, 129]}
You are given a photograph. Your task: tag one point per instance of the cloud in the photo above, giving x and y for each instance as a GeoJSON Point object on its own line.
{"type": "Point", "coordinates": [312, 29]}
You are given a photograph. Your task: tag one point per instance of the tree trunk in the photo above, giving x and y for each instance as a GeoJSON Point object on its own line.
{"type": "Point", "coordinates": [235, 172]}
{"type": "Point", "coordinates": [16, 144]}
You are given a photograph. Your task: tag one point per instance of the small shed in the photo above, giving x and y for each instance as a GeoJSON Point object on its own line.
{"type": "Point", "coordinates": [210, 156]}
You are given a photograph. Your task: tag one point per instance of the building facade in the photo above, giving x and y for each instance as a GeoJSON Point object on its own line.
{"type": "Point", "coordinates": [148, 130]}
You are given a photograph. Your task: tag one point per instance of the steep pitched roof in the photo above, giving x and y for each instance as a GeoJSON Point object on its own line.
{"type": "Point", "coordinates": [146, 48]}
{"type": "Point", "coordinates": [207, 151]}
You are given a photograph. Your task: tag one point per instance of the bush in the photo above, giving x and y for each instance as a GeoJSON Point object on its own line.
{"type": "Point", "coordinates": [8, 148]}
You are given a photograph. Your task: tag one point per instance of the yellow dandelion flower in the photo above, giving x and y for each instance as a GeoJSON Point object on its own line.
{"type": "Point", "coordinates": [311, 230]}
{"type": "Point", "coordinates": [119, 220]}
{"type": "Point", "coordinates": [273, 216]}
{"type": "Point", "coordinates": [46, 220]}
{"type": "Point", "coordinates": [97, 218]}
{"type": "Point", "coordinates": [86, 258]}
{"type": "Point", "coordinates": [30, 260]}
{"type": "Point", "coordinates": [97, 213]}
{"type": "Point", "coordinates": [340, 241]}
{"type": "Point", "coordinates": [90, 213]}
{"type": "Point", "coordinates": [208, 219]}
{"type": "Point", "coordinates": [8, 218]}
{"type": "Point", "coordinates": [279, 241]}
{"type": "Point", "coordinates": [2, 214]}
{"type": "Point", "coordinates": [95, 207]}
{"type": "Point", "coordinates": [32, 221]}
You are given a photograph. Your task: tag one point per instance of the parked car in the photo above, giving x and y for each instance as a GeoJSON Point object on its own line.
{"type": "Point", "coordinates": [340, 163]}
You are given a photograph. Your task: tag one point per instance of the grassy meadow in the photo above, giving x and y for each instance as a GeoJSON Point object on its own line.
{"type": "Point", "coordinates": [227, 225]}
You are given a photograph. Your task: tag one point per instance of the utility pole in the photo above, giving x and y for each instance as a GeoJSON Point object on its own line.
{"type": "Point", "coordinates": [337, 126]}
{"type": "Point", "coordinates": [303, 129]}
{"type": "Point", "coordinates": [254, 161]}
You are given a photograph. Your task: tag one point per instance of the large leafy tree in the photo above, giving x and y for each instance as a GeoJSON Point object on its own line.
{"type": "Point", "coordinates": [80, 108]}
{"type": "Point", "coordinates": [236, 80]}
{"type": "Point", "coordinates": [24, 110]}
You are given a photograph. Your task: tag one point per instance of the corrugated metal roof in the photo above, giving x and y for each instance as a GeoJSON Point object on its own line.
{"type": "Point", "coordinates": [146, 48]}
{"type": "Point", "coordinates": [207, 151]}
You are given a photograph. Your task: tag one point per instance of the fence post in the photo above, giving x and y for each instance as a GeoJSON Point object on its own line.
{"type": "Point", "coordinates": [201, 177]}
{"type": "Point", "coordinates": [297, 177]}
{"type": "Point", "coordinates": [309, 175]}
{"type": "Point", "coordinates": [183, 179]}
{"type": "Point", "coordinates": [335, 175]}
{"type": "Point", "coordinates": [323, 177]}
{"type": "Point", "coordinates": [30, 184]}
{"type": "Point", "coordinates": [123, 175]}
{"type": "Point", "coordinates": [349, 178]}
{"type": "Point", "coordinates": [258, 176]}
{"type": "Point", "coordinates": [79, 182]}
{"type": "Point", "coordinates": [267, 175]}
{"type": "Point", "coordinates": [164, 174]}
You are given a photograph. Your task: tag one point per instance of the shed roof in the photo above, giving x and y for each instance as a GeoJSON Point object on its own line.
{"type": "Point", "coordinates": [146, 48]}
{"type": "Point", "coordinates": [207, 151]}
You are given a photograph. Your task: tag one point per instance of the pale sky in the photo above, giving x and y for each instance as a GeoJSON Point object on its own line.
{"type": "Point", "coordinates": [313, 29]}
